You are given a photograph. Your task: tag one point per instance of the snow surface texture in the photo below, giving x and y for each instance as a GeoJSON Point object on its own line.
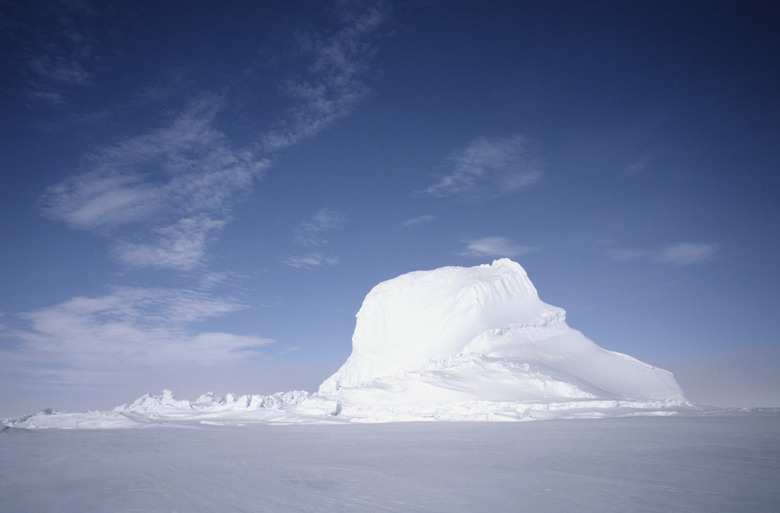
{"type": "Point", "coordinates": [454, 343]}
{"type": "Point", "coordinates": [681, 464]}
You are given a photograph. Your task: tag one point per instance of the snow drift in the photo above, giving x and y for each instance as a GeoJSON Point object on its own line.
{"type": "Point", "coordinates": [454, 343]}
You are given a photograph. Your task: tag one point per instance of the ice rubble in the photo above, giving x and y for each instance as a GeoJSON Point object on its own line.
{"type": "Point", "coordinates": [453, 343]}
{"type": "Point", "coordinates": [157, 409]}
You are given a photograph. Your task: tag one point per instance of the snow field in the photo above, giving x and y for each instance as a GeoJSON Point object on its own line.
{"type": "Point", "coordinates": [717, 463]}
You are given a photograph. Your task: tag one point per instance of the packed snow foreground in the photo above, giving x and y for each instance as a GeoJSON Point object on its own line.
{"type": "Point", "coordinates": [450, 344]}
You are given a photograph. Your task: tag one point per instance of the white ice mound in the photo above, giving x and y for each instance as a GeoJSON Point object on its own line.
{"type": "Point", "coordinates": [431, 315]}
{"type": "Point", "coordinates": [479, 340]}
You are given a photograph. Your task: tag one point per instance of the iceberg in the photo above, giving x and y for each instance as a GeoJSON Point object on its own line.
{"type": "Point", "coordinates": [477, 343]}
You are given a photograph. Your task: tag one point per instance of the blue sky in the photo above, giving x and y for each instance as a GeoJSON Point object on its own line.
{"type": "Point", "coordinates": [199, 196]}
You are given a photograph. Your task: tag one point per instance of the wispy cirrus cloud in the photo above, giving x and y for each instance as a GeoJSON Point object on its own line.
{"type": "Point", "coordinates": [52, 97]}
{"type": "Point", "coordinates": [312, 232]}
{"type": "Point", "coordinates": [489, 166]}
{"type": "Point", "coordinates": [129, 328]}
{"type": "Point", "coordinates": [332, 84]}
{"type": "Point", "coordinates": [61, 46]}
{"type": "Point", "coordinates": [181, 245]}
{"type": "Point", "coordinates": [425, 218]}
{"type": "Point", "coordinates": [494, 247]}
{"type": "Point", "coordinates": [310, 260]}
{"type": "Point", "coordinates": [163, 195]}
{"type": "Point", "coordinates": [685, 253]}
{"type": "Point", "coordinates": [681, 253]}
{"type": "Point", "coordinates": [61, 69]}
{"type": "Point", "coordinates": [160, 196]}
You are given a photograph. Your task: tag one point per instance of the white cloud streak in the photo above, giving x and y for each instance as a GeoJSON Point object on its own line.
{"type": "Point", "coordinates": [311, 232]}
{"type": "Point", "coordinates": [61, 51]}
{"type": "Point", "coordinates": [161, 196]}
{"type": "Point", "coordinates": [60, 69]}
{"type": "Point", "coordinates": [333, 84]}
{"type": "Point", "coordinates": [311, 261]}
{"type": "Point", "coordinates": [182, 245]}
{"type": "Point", "coordinates": [425, 218]}
{"type": "Point", "coordinates": [685, 253]}
{"type": "Point", "coordinates": [130, 329]}
{"type": "Point", "coordinates": [494, 247]}
{"type": "Point", "coordinates": [682, 253]}
{"type": "Point", "coordinates": [185, 167]}
{"type": "Point", "coordinates": [489, 166]}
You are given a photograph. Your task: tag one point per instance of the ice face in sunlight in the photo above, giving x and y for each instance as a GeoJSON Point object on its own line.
{"type": "Point", "coordinates": [479, 341]}
{"type": "Point", "coordinates": [432, 315]}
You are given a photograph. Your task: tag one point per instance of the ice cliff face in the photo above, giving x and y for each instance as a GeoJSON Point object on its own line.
{"type": "Point", "coordinates": [432, 315]}
{"type": "Point", "coordinates": [454, 338]}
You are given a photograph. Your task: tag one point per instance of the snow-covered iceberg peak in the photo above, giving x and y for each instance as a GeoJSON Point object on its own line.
{"type": "Point", "coordinates": [424, 316]}
{"type": "Point", "coordinates": [436, 344]}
